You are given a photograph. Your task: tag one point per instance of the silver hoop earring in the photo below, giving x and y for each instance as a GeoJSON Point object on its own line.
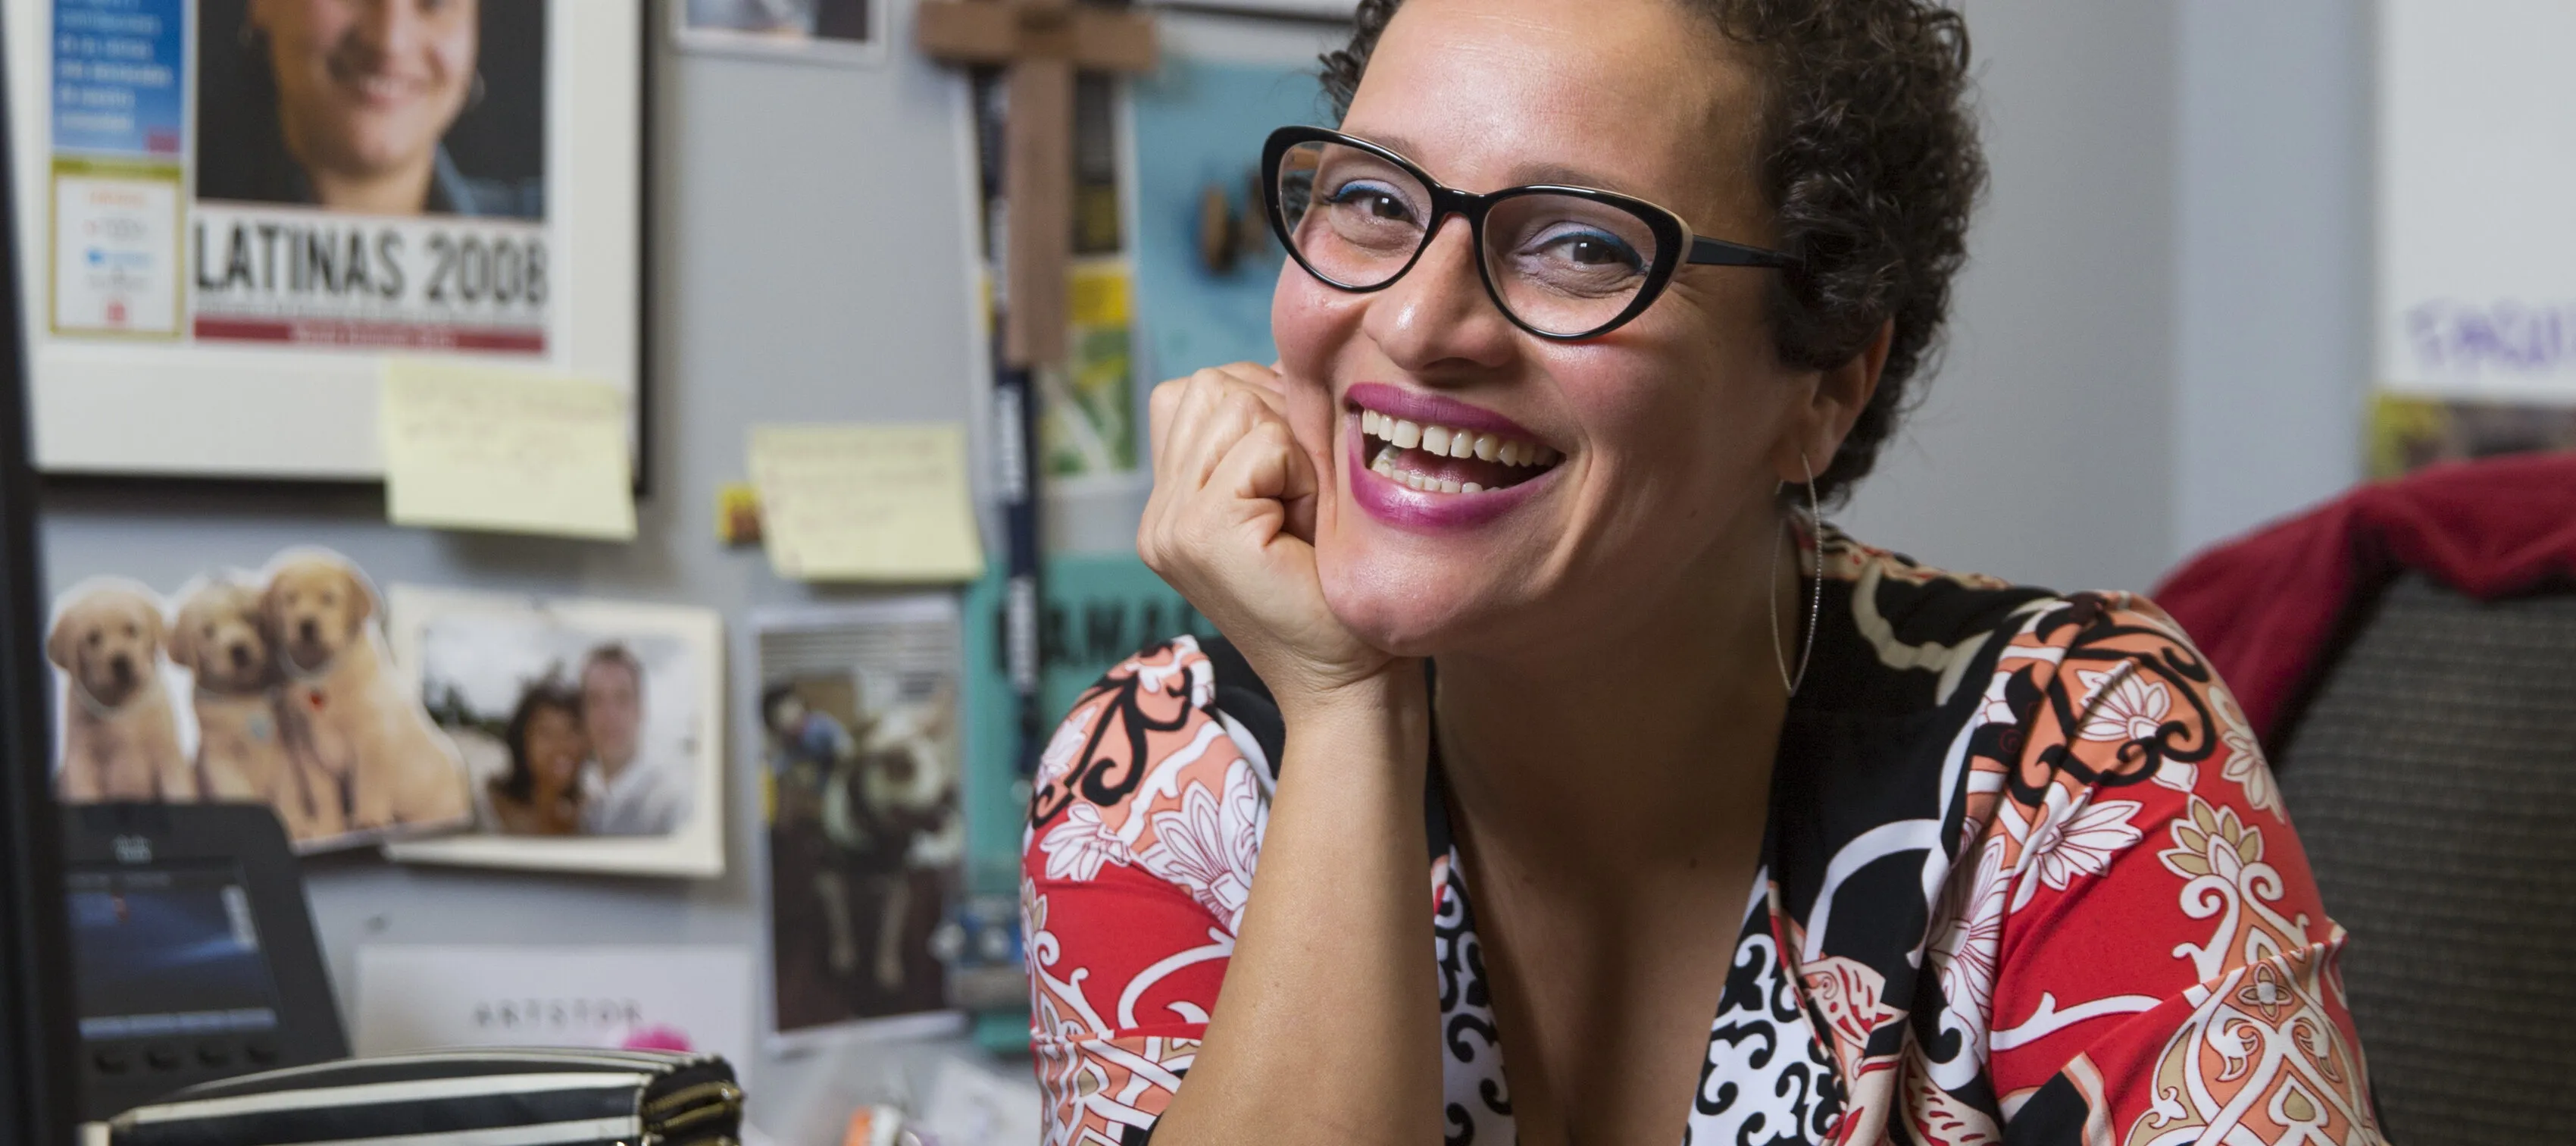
{"type": "Point", "coordinates": [474, 95]}
{"type": "Point", "coordinates": [1815, 601]}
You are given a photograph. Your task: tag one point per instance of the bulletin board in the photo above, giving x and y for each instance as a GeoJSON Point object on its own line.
{"type": "Point", "coordinates": [818, 261]}
{"type": "Point", "coordinates": [206, 233]}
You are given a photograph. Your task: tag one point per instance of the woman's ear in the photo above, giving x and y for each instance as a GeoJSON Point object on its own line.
{"type": "Point", "coordinates": [1815, 431]}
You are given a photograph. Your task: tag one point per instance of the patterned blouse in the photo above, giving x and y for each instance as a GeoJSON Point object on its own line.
{"type": "Point", "coordinates": [2026, 879]}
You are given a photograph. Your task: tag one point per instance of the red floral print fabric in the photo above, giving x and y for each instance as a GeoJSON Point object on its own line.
{"type": "Point", "coordinates": [2027, 880]}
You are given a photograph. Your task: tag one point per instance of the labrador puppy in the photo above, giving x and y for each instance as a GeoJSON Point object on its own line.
{"type": "Point", "coordinates": [242, 752]}
{"type": "Point", "coordinates": [120, 740]}
{"type": "Point", "coordinates": [340, 710]}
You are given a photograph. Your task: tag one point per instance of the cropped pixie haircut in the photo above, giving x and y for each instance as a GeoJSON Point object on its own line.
{"type": "Point", "coordinates": [1869, 161]}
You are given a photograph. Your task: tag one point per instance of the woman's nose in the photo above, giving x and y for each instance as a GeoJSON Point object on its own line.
{"type": "Point", "coordinates": [387, 27]}
{"type": "Point", "coordinates": [1438, 316]}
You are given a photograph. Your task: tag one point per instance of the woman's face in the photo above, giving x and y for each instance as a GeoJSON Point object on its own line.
{"type": "Point", "coordinates": [368, 86]}
{"type": "Point", "coordinates": [1666, 429]}
{"type": "Point", "coordinates": [555, 750]}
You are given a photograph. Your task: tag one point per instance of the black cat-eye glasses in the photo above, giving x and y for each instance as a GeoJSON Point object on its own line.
{"type": "Point", "coordinates": [1560, 262]}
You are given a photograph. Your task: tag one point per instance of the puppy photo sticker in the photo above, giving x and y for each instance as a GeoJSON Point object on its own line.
{"type": "Point", "coordinates": [271, 687]}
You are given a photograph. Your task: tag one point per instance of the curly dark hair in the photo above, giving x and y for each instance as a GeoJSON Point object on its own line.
{"type": "Point", "coordinates": [1870, 161]}
{"type": "Point", "coordinates": [549, 694]}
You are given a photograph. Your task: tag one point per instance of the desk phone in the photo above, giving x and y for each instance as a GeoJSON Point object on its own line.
{"type": "Point", "coordinates": [193, 956]}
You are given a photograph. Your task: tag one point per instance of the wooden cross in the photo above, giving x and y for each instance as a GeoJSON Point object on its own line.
{"type": "Point", "coordinates": [1042, 43]}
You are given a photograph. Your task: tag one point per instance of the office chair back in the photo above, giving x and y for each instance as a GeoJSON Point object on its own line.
{"type": "Point", "coordinates": [2432, 777]}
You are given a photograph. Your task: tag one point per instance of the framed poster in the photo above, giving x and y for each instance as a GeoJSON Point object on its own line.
{"type": "Point", "coordinates": [239, 210]}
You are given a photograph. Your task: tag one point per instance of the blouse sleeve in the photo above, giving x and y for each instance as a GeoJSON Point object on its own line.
{"type": "Point", "coordinates": [2165, 970]}
{"type": "Point", "coordinates": [1143, 828]}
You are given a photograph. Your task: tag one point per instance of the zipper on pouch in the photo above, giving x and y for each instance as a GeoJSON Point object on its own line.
{"type": "Point", "coordinates": [690, 1105]}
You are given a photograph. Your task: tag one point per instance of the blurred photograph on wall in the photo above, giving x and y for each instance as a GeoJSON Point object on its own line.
{"type": "Point", "coordinates": [2409, 432]}
{"type": "Point", "coordinates": [272, 687]}
{"type": "Point", "coordinates": [589, 729]}
{"type": "Point", "coordinates": [819, 31]}
{"type": "Point", "coordinates": [865, 836]}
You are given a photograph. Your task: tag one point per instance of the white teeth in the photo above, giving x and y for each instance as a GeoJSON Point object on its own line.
{"type": "Point", "coordinates": [1416, 480]}
{"type": "Point", "coordinates": [1448, 442]}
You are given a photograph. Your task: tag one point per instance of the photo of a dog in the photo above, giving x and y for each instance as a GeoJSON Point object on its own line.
{"type": "Point", "coordinates": [375, 745]}
{"type": "Point", "coordinates": [864, 811]}
{"type": "Point", "coordinates": [288, 703]}
{"type": "Point", "coordinates": [119, 741]}
{"type": "Point", "coordinates": [222, 639]}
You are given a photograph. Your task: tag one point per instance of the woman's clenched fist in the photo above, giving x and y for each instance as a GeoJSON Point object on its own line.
{"type": "Point", "coordinates": [1231, 525]}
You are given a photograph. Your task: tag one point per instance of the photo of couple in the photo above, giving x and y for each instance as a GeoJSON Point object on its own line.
{"type": "Point", "coordinates": [577, 764]}
{"type": "Point", "coordinates": [587, 728]}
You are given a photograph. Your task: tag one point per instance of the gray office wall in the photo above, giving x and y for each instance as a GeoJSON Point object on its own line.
{"type": "Point", "coordinates": [2043, 449]}
{"type": "Point", "coordinates": [809, 266]}
{"type": "Point", "coordinates": [2273, 267]}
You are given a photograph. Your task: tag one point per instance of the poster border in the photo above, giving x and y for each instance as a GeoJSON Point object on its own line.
{"type": "Point", "coordinates": [146, 472]}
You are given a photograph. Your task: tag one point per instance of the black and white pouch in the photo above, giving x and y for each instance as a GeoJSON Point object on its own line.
{"type": "Point", "coordinates": [511, 1096]}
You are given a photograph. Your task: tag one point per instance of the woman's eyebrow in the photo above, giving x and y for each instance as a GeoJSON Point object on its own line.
{"type": "Point", "coordinates": [1564, 176]}
{"type": "Point", "coordinates": [1522, 175]}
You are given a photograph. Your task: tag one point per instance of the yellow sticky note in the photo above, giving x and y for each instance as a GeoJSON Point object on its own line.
{"type": "Point", "coordinates": [508, 450]}
{"type": "Point", "coordinates": [866, 502]}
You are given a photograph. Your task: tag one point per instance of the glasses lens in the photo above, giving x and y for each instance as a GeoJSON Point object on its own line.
{"type": "Point", "coordinates": [1354, 218]}
{"type": "Point", "coordinates": [1565, 264]}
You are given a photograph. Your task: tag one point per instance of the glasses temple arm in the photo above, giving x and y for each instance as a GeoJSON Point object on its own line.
{"type": "Point", "coordinates": [1719, 252]}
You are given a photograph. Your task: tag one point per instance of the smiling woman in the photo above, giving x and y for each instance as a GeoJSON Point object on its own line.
{"type": "Point", "coordinates": [1772, 836]}
{"type": "Point", "coordinates": [370, 106]}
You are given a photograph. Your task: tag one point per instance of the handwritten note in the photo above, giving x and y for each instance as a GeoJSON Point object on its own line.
{"type": "Point", "coordinates": [860, 502]}
{"type": "Point", "coordinates": [513, 451]}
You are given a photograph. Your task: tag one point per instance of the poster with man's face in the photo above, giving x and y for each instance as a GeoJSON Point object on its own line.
{"type": "Point", "coordinates": [587, 728]}
{"type": "Point", "coordinates": [236, 213]}
{"type": "Point", "coordinates": [371, 172]}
